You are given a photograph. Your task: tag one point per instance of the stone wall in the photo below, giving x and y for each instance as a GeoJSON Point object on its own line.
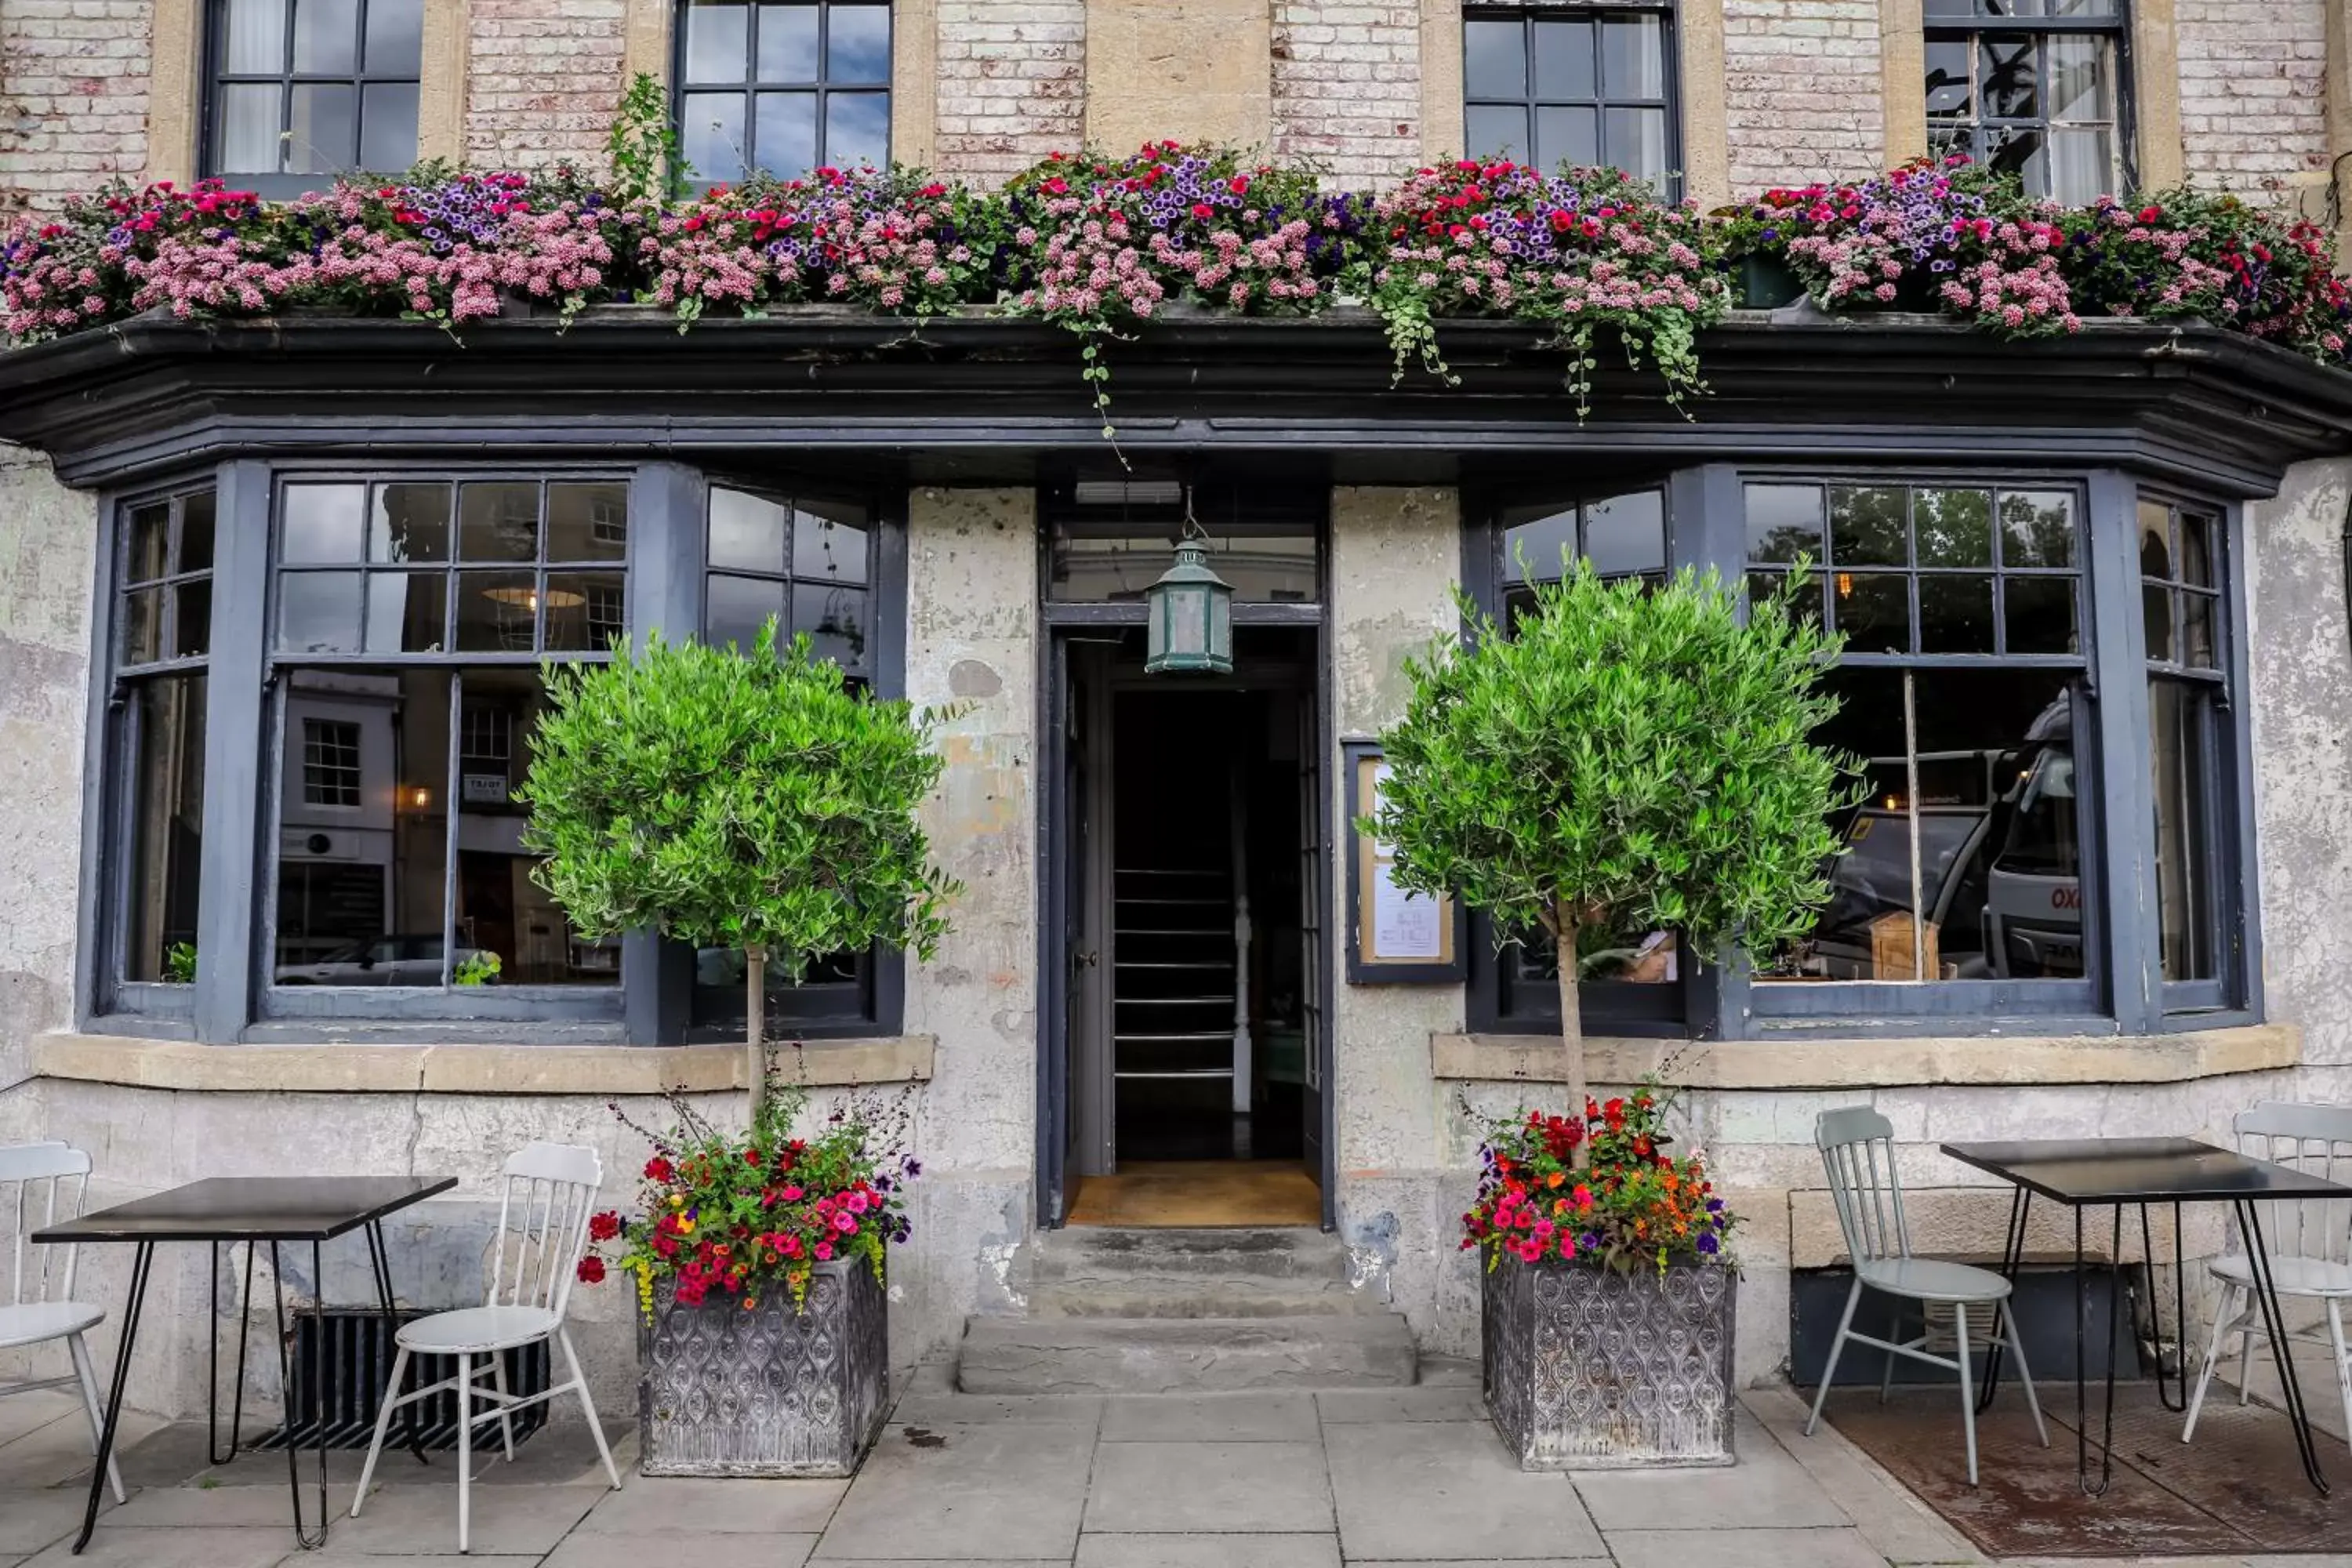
{"type": "Point", "coordinates": [1801, 93]}
{"type": "Point", "coordinates": [543, 81]}
{"type": "Point", "coordinates": [2253, 91]}
{"type": "Point", "coordinates": [74, 79]}
{"type": "Point", "coordinates": [1011, 84]}
{"type": "Point", "coordinates": [1348, 86]}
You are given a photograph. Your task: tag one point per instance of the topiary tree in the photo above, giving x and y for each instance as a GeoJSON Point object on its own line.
{"type": "Point", "coordinates": [1626, 753]}
{"type": "Point", "coordinates": [736, 800]}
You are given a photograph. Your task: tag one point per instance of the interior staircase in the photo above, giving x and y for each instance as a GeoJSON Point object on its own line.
{"type": "Point", "coordinates": [1172, 1311]}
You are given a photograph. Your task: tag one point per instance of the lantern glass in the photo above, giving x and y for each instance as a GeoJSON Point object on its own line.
{"type": "Point", "coordinates": [1191, 617]}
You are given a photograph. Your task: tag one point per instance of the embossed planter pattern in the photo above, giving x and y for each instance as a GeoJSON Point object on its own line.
{"type": "Point", "coordinates": [1587, 1369]}
{"type": "Point", "coordinates": [768, 1391]}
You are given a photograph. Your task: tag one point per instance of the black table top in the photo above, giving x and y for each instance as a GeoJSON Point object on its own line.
{"type": "Point", "coordinates": [252, 1208]}
{"type": "Point", "coordinates": [2140, 1169]}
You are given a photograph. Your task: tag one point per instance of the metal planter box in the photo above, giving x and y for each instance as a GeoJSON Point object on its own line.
{"type": "Point", "coordinates": [770, 1392]}
{"type": "Point", "coordinates": [1587, 1369]}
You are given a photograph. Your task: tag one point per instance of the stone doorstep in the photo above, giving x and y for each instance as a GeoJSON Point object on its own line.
{"type": "Point", "coordinates": [1171, 1355]}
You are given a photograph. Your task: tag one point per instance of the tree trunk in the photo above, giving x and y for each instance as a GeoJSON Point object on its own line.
{"type": "Point", "coordinates": [755, 1030]}
{"type": "Point", "coordinates": [1571, 1020]}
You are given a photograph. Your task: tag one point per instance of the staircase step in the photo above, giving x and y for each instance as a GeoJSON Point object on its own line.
{"type": "Point", "coordinates": [1184, 1356]}
{"type": "Point", "coordinates": [1099, 1271]}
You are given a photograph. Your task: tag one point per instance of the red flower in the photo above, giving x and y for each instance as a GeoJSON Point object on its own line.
{"type": "Point", "coordinates": [2150, 214]}
{"type": "Point", "coordinates": [592, 1270]}
{"type": "Point", "coordinates": [603, 1226]}
{"type": "Point", "coordinates": [935, 190]}
{"type": "Point", "coordinates": [752, 1158]}
{"type": "Point", "coordinates": [1240, 186]}
{"type": "Point", "coordinates": [1204, 210]}
{"type": "Point", "coordinates": [659, 1170]}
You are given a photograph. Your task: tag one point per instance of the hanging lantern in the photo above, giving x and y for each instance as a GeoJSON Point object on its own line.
{"type": "Point", "coordinates": [1191, 611]}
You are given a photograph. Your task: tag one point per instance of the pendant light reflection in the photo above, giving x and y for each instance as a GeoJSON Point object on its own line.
{"type": "Point", "coordinates": [1191, 610]}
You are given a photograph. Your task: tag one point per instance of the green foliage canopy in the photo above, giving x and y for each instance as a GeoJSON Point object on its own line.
{"type": "Point", "coordinates": [737, 800]}
{"type": "Point", "coordinates": [1624, 752]}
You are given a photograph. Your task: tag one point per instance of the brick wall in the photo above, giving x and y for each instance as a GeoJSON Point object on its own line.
{"type": "Point", "coordinates": [542, 81]}
{"type": "Point", "coordinates": [1011, 84]}
{"type": "Point", "coordinates": [1347, 87]}
{"type": "Point", "coordinates": [2252, 83]}
{"type": "Point", "coordinates": [73, 96]}
{"type": "Point", "coordinates": [1801, 91]}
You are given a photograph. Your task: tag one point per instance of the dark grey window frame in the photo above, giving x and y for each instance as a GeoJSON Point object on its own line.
{"type": "Point", "coordinates": [269, 183]}
{"type": "Point", "coordinates": [1669, 16]}
{"type": "Point", "coordinates": [1705, 526]}
{"type": "Point", "coordinates": [2117, 28]}
{"type": "Point", "coordinates": [822, 86]}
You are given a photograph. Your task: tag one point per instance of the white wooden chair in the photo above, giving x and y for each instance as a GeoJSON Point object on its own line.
{"type": "Point", "coordinates": [544, 1208]}
{"type": "Point", "coordinates": [2309, 1245]}
{"type": "Point", "coordinates": [45, 1185]}
{"type": "Point", "coordinates": [1857, 1148]}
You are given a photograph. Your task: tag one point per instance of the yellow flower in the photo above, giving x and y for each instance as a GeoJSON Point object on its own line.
{"type": "Point", "coordinates": [677, 1200]}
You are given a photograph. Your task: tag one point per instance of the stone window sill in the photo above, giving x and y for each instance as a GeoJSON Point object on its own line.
{"type": "Point", "coordinates": [602, 1070]}
{"type": "Point", "coordinates": [1813, 1063]}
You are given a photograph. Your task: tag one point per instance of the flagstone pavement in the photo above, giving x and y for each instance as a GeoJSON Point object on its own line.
{"type": "Point", "coordinates": [1240, 1480]}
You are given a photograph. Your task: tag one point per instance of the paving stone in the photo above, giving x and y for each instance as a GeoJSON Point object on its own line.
{"type": "Point", "coordinates": [1244, 1487]}
{"type": "Point", "coordinates": [1842, 1548]}
{"type": "Point", "coordinates": [1208, 1551]}
{"type": "Point", "coordinates": [32, 1518]}
{"type": "Point", "coordinates": [257, 1507]}
{"type": "Point", "coordinates": [335, 1555]}
{"type": "Point", "coordinates": [1487, 1562]}
{"type": "Point", "coordinates": [171, 1549]}
{"type": "Point", "coordinates": [1435, 1490]}
{"type": "Point", "coordinates": [662, 1505]}
{"type": "Point", "coordinates": [1013, 1491]}
{"type": "Point", "coordinates": [58, 1454]}
{"type": "Point", "coordinates": [1766, 1489]}
{"type": "Point", "coordinates": [506, 1520]}
{"type": "Point", "coordinates": [1450, 1402]}
{"type": "Point", "coordinates": [23, 1413]}
{"type": "Point", "coordinates": [1451, 1372]}
{"type": "Point", "coordinates": [950, 1408]}
{"type": "Point", "coordinates": [681, 1546]}
{"type": "Point", "coordinates": [1899, 1526]}
{"type": "Point", "coordinates": [1285, 1416]}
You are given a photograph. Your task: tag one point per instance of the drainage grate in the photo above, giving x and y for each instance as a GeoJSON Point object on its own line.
{"type": "Point", "coordinates": [357, 1365]}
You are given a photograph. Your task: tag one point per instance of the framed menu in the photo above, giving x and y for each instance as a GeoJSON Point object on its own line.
{"type": "Point", "coordinates": [1394, 937]}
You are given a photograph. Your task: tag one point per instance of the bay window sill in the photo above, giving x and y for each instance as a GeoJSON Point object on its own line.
{"type": "Point", "coordinates": [456, 1068]}
{"type": "Point", "coordinates": [1997, 1060]}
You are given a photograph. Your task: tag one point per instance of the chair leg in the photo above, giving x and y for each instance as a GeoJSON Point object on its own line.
{"type": "Point", "coordinates": [2024, 1375]}
{"type": "Point", "coordinates": [1967, 1390]}
{"type": "Point", "coordinates": [88, 1378]}
{"type": "Point", "coordinates": [587, 1405]}
{"type": "Point", "coordinates": [1837, 1347]}
{"type": "Point", "coordinates": [465, 1449]}
{"type": "Point", "coordinates": [1894, 1336]}
{"type": "Point", "coordinates": [506, 1416]}
{"type": "Point", "coordinates": [383, 1424]}
{"type": "Point", "coordinates": [2223, 1315]}
{"type": "Point", "coordinates": [2343, 1359]}
{"type": "Point", "coordinates": [2254, 1320]}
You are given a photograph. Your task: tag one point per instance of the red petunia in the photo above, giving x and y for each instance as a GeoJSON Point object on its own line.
{"type": "Point", "coordinates": [603, 1226]}
{"type": "Point", "coordinates": [659, 1170]}
{"type": "Point", "coordinates": [592, 1270]}
{"type": "Point", "coordinates": [1204, 210]}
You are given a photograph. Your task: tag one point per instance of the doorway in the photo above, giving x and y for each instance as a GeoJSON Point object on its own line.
{"type": "Point", "coordinates": [1188, 849]}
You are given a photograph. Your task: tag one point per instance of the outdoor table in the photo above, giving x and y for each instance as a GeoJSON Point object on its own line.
{"type": "Point", "coordinates": [224, 1210]}
{"type": "Point", "coordinates": [2081, 1172]}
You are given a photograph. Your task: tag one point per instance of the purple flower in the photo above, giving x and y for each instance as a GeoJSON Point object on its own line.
{"type": "Point", "coordinates": [1707, 1244]}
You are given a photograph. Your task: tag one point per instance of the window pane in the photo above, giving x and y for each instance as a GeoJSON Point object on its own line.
{"type": "Point", "coordinates": [331, 762]}
{"type": "Point", "coordinates": [836, 620]}
{"type": "Point", "coordinates": [1495, 59]}
{"type": "Point", "coordinates": [1632, 56]}
{"type": "Point", "coordinates": [857, 128]}
{"type": "Point", "coordinates": [166, 758]}
{"type": "Point", "coordinates": [2197, 630]}
{"type": "Point", "coordinates": [326, 36]}
{"type": "Point", "coordinates": [1871, 882]}
{"type": "Point", "coordinates": [1492, 130]}
{"type": "Point", "coordinates": [2037, 528]}
{"type": "Point", "coordinates": [1954, 527]}
{"type": "Point", "coordinates": [500, 910]}
{"type": "Point", "coordinates": [406, 612]}
{"type": "Point", "coordinates": [324, 130]}
{"type": "Point", "coordinates": [858, 43]}
{"type": "Point", "coordinates": [1627, 533]}
{"type": "Point", "coordinates": [321, 522]}
{"type": "Point", "coordinates": [1566, 136]}
{"type": "Point", "coordinates": [784, 138]}
{"type": "Point", "coordinates": [191, 620]}
{"type": "Point", "coordinates": [360, 890]}
{"type": "Point", "coordinates": [255, 37]}
{"type": "Point", "coordinates": [2156, 614]}
{"type": "Point", "coordinates": [498, 612]}
{"type": "Point", "coordinates": [835, 987]}
{"type": "Point", "coordinates": [1955, 614]}
{"type": "Point", "coordinates": [196, 514]}
{"type": "Point", "coordinates": [2005, 76]}
{"type": "Point", "coordinates": [1875, 612]}
{"type": "Point", "coordinates": [788, 44]}
{"type": "Point", "coordinates": [584, 611]}
{"type": "Point", "coordinates": [148, 553]}
{"type": "Point", "coordinates": [1564, 64]}
{"type": "Point", "coordinates": [1867, 526]}
{"type": "Point", "coordinates": [1636, 141]}
{"type": "Point", "coordinates": [2196, 550]}
{"type": "Point", "coordinates": [250, 125]}
{"type": "Point", "coordinates": [2155, 540]}
{"type": "Point", "coordinates": [735, 608]}
{"type": "Point", "coordinates": [1107, 568]}
{"type": "Point", "coordinates": [711, 135]}
{"type": "Point", "coordinates": [587, 522]}
{"type": "Point", "coordinates": [2079, 78]}
{"type": "Point", "coordinates": [2040, 614]}
{"type": "Point", "coordinates": [2181, 755]}
{"type": "Point", "coordinates": [718, 40]}
{"type": "Point", "coordinates": [1535, 551]}
{"type": "Point", "coordinates": [747, 531]}
{"type": "Point", "coordinates": [829, 549]}
{"type": "Point", "coordinates": [2016, 150]}
{"type": "Point", "coordinates": [395, 37]}
{"type": "Point", "coordinates": [1784, 522]}
{"type": "Point", "coordinates": [388, 127]}
{"type": "Point", "coordinates": [1806, 605]}
{"type": "Point", "coordinates": [2082, 165]}
{"type": "Point", "coordinates": [142, 625]}
{"type": "Point", "coordinates": [1948, 77]}
{"type": "Point", "coordinates": [318, 612]}
{"type": "Point", "coordinates": [410, 523]}
{"type": "Point", "coordinates": [497, 522]}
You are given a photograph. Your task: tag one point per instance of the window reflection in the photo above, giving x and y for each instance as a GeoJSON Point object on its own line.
{"type": "Point", "coordinates": [166, 757]}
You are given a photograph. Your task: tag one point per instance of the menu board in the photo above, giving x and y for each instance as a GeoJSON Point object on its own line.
{"type": "Point", "coordinates": [1395, 936]}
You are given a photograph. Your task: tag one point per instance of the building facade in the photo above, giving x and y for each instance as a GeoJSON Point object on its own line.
{"type": "Point", "coordinates": [274, 597]}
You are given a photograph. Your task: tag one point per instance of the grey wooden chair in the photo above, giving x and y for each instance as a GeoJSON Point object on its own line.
{"type": "Point", "coordinates": [1857, 1148]}
{"type": "Point", "coordinates": [45, 1185]}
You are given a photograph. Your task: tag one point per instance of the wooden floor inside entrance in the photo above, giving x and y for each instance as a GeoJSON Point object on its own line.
{"type": "Point", "coordinates": [1199, 1193]}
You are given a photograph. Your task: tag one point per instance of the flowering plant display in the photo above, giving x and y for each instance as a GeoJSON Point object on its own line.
{"type": "Point", "coordinates": [740, 1217]}
{"type": "Point", "coordinates": [1634, 1204]}
{"type": "Point", "coordinates": [2186, 252]}
{"type": "Point", "coordinates": [1574, 251]}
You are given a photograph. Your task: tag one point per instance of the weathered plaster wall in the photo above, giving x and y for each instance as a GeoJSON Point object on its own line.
{"type": "Point", "coordinates": [46, 538]}
{"type": "Point", "coordinates": [1395, 557]}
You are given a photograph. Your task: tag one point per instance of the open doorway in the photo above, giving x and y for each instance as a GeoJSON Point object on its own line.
{"type": "Point", "coordinates": [1190, 846]}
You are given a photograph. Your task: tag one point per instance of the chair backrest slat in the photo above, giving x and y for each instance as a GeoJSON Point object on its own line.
{"type": "Point", "coordinates": [2317, 1140]}
{"type": "Point", "coordinates": [41, 1185]}
{"type": "Point", "coordinates": [1857, 1147]}
{"type": "Point", "coordinates": [545, 1196]}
